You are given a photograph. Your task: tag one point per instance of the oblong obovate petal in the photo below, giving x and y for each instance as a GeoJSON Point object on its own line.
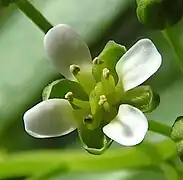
{"type": "Point", "coordinates": [140, 62]}
{"type": "Point", "coordinates": [65, 47]}
{"type": "Point", "coordinates": [49, 118]}
{"type": "Point", "coordinates": [129, 127]}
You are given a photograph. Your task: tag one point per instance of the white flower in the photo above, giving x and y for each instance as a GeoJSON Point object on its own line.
{"type": "Point", "coordinates": [55, 117]}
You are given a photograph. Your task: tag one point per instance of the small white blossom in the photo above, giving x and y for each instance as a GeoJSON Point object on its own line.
{"type": "Point", "coordinates": [55, 117]}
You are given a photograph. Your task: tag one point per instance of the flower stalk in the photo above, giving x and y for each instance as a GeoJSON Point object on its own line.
{"type": "Point", "coordinates": [32, 13]}
{"type": "Point", "coordinates": [173, 39]}
{"type": "Point", "coordinates": [35, 163]}
{"type": "Point", "coordinates": [159, 128]}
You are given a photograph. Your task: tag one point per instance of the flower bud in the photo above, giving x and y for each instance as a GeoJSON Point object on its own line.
{"type": "Point", "coordinates": [159, 14]}
{"type": "Point", "coordinates": [177, 136]}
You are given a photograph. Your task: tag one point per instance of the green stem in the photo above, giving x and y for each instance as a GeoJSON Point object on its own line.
{"type": "Point", "coordinates": [173, 39]}
{"type": "Point", "coordinates": [170, 171]}
{"type": "Point", "coordinates": [159, 128]}
{"type": "Point", "coordinates": [42, 162]}
{"type": "Point", "coordinates": [32, 13]}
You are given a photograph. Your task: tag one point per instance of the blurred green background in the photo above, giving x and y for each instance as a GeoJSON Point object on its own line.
{"type": "Point", "coordinates": [25, 71]}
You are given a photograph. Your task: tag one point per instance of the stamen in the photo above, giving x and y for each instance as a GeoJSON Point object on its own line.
{"type": "Point", "coordinates": [69, 96]}
{"type": "Point", "coordinates": [97, 61]}
{"type": "Point", "coordinates": [102, 100]}
{"type": "Point", "coordinates": [83, 76]}
{"type": "Point", "coordinates": [88, 119]}
{"type": "Point", "coordinates": [74, 69]}
{"type": "Point", "coordinates": [106, 73]}
{"type": "Point", "coordinates": [77, 102]}
{"type": "Point", "coordinates": [108, 84]}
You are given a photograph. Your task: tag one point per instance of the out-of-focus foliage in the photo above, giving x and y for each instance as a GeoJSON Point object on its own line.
{"type": "Point", "coordinates": [156, 13]}
{"type": "Point", "coordinates": [43, 163]}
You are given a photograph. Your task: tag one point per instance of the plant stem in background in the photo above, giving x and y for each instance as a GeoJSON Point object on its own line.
{"type": "Point", "coordinates": [171, 173]}
{"type": "Point", "coordinates": [159, 128]}
{"type": "Point", "coordinates": [173, 39]}
{"type": "Point", "coordinates": [32, 13]}
{"type": "Point", "coordinates": [42, 162]}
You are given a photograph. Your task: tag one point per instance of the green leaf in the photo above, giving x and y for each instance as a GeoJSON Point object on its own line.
{"type": "Point", "coordinates": [141, 97]}
{"type": "Point", "coordinates": [59, 88]}
{"type": "Point", "coordinates": [108, 58]}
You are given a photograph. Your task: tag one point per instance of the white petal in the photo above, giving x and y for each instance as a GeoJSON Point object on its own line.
{"type": "Point", "coordinates": [129, 127]}
{"type": "Point", "coordinates": [65, 47]}
{"type": "Point", "coordinates": [49, 118]}
{"type": "Point", "coordinates": [140, 62]}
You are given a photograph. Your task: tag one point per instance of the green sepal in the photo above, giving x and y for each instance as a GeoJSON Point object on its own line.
{"type": "Point", "coordinates": [141, 97]}
{"type": "Point", "coordinates": [177, 136]}
{"type": "Point", "coordinates": [60, 87]}
{"type": "Point", "coordinates": [94, 141]}
{"type": "Point", "coordinates": [110, 55]}
{"type": "Point", "coordinates": [159, 14]}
